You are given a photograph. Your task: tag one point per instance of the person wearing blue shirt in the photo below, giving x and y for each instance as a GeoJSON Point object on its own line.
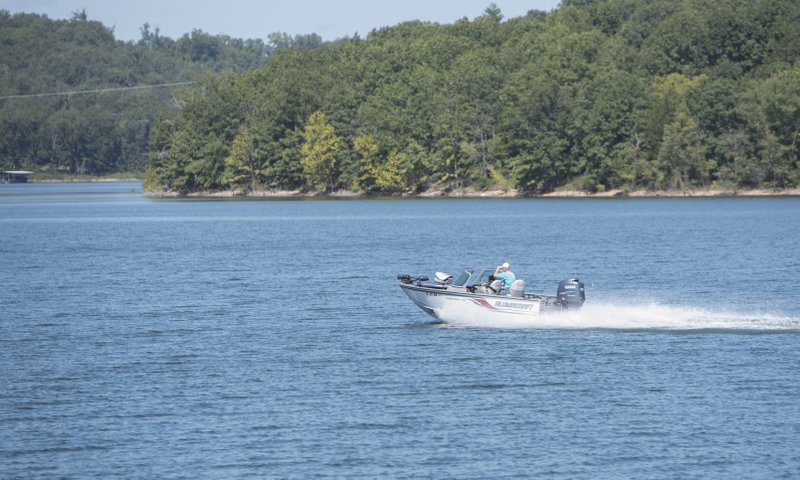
{"type": "Point", "coordinates": [507, 276]}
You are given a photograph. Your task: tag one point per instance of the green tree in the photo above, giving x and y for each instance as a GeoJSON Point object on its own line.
{"type": "Point", "coordinates": [741, 167]}
{"type": "Point", "coordinates": [366, 163]}
{"type": "Point", "coordinates": [682, 157]}
{"type": "Point", "coordinates": [667, 102]}
{"type": "Point", "coordinates": [319, 153]}
{"type": "Point", "coordinates": [771, 111]}
{"type": "Point", "coordinates": [607, 128]}
{"type": "Point", "coordinates": [414, 163]}
{"type": "Point", "coordinates": [242, 167]}
{"type": "Point", "coordinates": [493, 13]}
{"type": "Point", "coordinates": [389, 175]}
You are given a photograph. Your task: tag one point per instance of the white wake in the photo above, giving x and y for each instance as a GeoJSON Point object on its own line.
{"type": "Point", "coordinates": [647, 316]}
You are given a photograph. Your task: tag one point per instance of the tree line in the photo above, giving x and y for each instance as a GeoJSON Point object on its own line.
{"type": "Point", "coordinates": [593, 96]}
{"type": "Point", "coordinates": [108, 131]}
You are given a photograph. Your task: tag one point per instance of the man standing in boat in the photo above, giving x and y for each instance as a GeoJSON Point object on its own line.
{"type": "Point", "coordinates": [507, 276]}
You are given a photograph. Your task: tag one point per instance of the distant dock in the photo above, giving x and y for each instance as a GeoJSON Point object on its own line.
{"type": "Point", "coordinates": [14, 176]}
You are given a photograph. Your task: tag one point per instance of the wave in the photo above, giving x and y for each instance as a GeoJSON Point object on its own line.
{"type": "Point", "coordinates": [652, 316]}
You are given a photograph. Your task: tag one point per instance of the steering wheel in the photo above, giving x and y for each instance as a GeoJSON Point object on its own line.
{"type": "Point", "coordinates": [489, 282]}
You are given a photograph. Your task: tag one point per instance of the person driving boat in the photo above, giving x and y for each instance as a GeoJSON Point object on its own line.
{"type": "Point", "coordinates": [504, 274]}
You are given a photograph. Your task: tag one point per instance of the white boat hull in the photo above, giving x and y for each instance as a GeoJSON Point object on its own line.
{"type": "Point", "coordinates": [478, 296]}
{"type": "Point", "coordinates": [449, 306]}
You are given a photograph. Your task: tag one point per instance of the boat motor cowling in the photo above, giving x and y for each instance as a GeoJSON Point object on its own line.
{"type": "Point", "coordinates": [571, 293]}
{"type": "Point", "coordinates": [517, 288]}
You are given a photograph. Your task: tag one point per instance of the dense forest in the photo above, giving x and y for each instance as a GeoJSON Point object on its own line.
{"type": "Point", "coordinates": [107, 131]}
{"type": "Point", "coordinates": [594, 96]}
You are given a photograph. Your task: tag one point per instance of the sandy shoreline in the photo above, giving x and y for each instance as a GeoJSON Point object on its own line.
{"type": "Point", "coordinates": [440, 193]}
{"type": "Point", "coordinates": [469, 193]}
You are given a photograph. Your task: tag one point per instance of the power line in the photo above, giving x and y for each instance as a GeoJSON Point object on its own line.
{"type": "Point", "coordinates": [99, 90]}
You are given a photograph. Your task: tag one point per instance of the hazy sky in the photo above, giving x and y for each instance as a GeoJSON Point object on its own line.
{"type": "Point", "coordinates": [256, 19]}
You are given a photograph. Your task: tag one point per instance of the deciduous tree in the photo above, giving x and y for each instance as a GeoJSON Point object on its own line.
{"type": "Point", "coordinates": [319, 153]}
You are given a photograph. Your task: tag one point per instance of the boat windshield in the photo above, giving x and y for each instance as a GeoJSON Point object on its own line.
{"type": "Point", "coordinates": [462, 279]}
{"type": "Point", "coordinates": [481, 279]}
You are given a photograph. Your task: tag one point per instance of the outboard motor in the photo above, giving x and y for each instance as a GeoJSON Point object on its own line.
{"type": "Point", "coordinates": [517, 288]}
{"type": "Point", "coordinates": [571, 293]}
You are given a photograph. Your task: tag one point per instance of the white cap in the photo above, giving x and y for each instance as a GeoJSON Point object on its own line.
{"type": "Point", "coordinates": [506, 265]}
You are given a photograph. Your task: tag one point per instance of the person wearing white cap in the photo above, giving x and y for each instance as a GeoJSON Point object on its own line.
{"type": "Point", "coordinates": [507, 276]}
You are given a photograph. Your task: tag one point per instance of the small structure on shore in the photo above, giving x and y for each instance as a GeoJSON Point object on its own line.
{"type": "Point", "coordinates": [14, 176]}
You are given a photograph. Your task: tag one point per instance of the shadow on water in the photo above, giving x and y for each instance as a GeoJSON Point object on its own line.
{"type": "Point", "coordinates": [429, 324]}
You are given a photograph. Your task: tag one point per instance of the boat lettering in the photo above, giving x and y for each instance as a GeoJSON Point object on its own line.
{"type": "Point", "coordinates": [518, 306]}
{"type": "Point", "coordinates": [432, 294]}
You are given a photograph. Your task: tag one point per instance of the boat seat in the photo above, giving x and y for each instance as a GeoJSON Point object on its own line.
{"type": "Point", "coordinates": [443, 278]}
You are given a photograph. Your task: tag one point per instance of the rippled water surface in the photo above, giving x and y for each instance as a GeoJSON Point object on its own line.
{"type": "Point", "coordinates": [192, 339]}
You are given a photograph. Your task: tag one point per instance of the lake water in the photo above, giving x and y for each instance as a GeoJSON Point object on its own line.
{"type": "Point", "coordinates": [144, 338]}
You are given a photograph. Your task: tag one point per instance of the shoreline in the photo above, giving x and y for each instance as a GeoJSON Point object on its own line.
{"type": "Point", "coordinates": [470, 193]}
{"type": "Point", "coordinates": [86, 180]}
{"type": "Point", "coordinates": [441, 193]}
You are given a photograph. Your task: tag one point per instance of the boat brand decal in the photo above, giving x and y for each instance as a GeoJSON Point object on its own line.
{"type": "Point", "coordinates": [514, 305]}
{"type": "Point", "coordinates": [503, 304]}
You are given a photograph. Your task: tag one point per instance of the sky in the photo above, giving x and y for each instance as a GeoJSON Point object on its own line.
{"type": "Point", "coordinates": [258, 18]}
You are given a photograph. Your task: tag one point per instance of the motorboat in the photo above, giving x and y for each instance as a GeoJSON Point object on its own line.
{"type": "Point", "coordinates": [476, 295]}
